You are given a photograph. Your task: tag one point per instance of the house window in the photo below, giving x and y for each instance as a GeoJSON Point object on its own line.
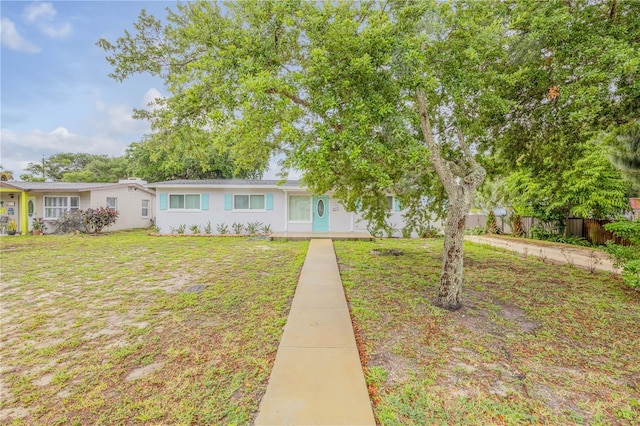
{"type": "Point", "coordinates": [184, 201]}
{"type": "Point", "coordinates": [389, 203]}
{"type": "Point", "coordinates": [112, 203]}
{"type": "Point", "coordinates": [145, 208]}
{"type": "Point", "coordinates": [54, 207]}
{"type": "Point", "coordinates": [248, 202]}
{"type": "Point", "coordinates": [299, 208]}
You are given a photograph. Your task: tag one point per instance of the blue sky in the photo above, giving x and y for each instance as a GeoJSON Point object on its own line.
{"type": "Point", "coordinates": [56, 95]}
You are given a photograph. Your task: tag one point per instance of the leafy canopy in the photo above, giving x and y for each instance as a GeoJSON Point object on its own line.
{"type": "Point", "coordinates": [328, 85]}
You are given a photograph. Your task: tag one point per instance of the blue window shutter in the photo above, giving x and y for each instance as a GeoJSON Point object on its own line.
{"type": "Point", "coordinates": [358, 206]}
{"type": "Point", "coordinates": [269, 201]}
{"type": "Point", "coordinates": [396, 205]}
{"type": "Point", "coordinates": [204, 200]}
{"type": "Point", "coordinates": [228, 201]}
{"type": "Point", "coordinates": [163, 201]}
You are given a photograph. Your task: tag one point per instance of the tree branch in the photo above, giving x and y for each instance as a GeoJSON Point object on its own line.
{"type": "Point", "coordinates": [612, 11]}
{"type": "Point", "coordinates": [443, 169]}
{"type": "Point", "coordinates": [295, 99]}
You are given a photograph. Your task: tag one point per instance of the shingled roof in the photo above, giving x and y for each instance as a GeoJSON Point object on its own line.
{"type": "Point", "coordinates": [67, 186]}
{"type": "Point", "coordinates": [225, 183]}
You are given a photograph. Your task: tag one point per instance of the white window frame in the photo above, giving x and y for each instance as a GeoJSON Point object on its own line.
{"type": "Point", "coordinates": [310, 220]}
{"type": "Point", "coordinates": [264, 204]}
{"type": "Point", "coordinates": [64, 209]}
{"type": "Point", "coordinates": [115, 206]}
{"type": "Point", "coordinates": [181, 209]}
{"type": "Point", "coordinates": [148, 204]}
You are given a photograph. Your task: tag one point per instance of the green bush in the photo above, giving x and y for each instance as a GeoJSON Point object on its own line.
{"type": "Point", "coordinates": [625, 229]}
{"type": "Point", "coordinates": [69, 222]}
{"type": "Point", "coordinates": [95, 220]}
{"type": "Point", "coordinates": [631, 273]}
{"type": "Point", "coordinates": [428, 231]}
{"type": "Point", "coordinates": [538, 233]}
{"type": "Point", "coordinates": [627, 257]}
{"type": "Point", "coordinates": [476, 230]}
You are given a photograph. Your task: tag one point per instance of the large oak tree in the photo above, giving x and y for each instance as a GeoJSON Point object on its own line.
{"type": "Point", "coordinates": [365, 98]}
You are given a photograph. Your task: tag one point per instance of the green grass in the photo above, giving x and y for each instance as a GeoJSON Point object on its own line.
{"type": "Point", "coordinates": [534, 344]}
{"type": "Point", "coordinates": [80, 314]}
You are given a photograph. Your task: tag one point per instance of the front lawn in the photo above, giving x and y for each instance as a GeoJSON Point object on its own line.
{"type": "Point", "coordinates": [534, 344]}
{"type": "Point", "coordinates": [100, 330]}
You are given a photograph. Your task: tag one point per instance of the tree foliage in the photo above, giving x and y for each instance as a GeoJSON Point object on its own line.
{"type": "Point", "coordinates": [5, 175]}
{"type": "Point", "coordinates": [55, 166]}
{"type": "Point", "coordinates": [101, 168]}
{"type": "Point", "coordinates": [166, 156]}
{"type": "Point", "coordinates": [625, 153]}
{"type": "Point", "coordinates": [575, 70]}
{"type": "Point", "coordinates": [590, 188]}
{"type": "Point", "coordinates": [627, 257]}
{"type": "Point", "coordinates": [574, 73]}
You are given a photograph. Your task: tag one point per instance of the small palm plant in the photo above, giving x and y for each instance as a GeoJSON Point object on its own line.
{"type": "Point", "coordinates": [237, 228]}
{"type": "Point", "coordinates": [222, 228]}
{"type": "Point", "coordinates": [254, 227]}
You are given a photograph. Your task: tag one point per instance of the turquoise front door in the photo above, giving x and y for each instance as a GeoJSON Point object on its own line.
{"type": "Point", "coordinates": [320, 214]}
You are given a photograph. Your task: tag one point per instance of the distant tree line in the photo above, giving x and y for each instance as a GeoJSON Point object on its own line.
{"type": "Point", "coordinates": [145, 159]}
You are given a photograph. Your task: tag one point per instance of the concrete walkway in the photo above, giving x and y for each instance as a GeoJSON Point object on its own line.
{"type": "Point", "coordinates": [317, 378]}
{"type": "Point", "coordinates": [585, 258]}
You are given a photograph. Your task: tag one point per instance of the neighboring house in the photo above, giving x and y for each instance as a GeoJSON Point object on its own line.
{"type": "Point", "coordinates": [288, 207]}
{"type": "Point", "coordinates": [25, 201]}
{"type": "Point", "coordinates": [635, 207]}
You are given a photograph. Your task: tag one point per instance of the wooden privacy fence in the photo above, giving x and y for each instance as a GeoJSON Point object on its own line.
{"type": "Point", "coordinates": [591, 230]}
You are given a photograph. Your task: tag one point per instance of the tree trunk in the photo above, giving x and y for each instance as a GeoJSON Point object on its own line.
{"type": "Point", "coordinates": [460, 181]}
{"type": "Point", "coordinates": [449, 292]}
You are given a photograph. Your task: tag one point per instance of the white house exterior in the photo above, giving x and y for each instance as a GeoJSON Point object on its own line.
{"type": "Point", "coordinates": [288, 207]}
{"type": "Point", "coordinates": [26, 201]}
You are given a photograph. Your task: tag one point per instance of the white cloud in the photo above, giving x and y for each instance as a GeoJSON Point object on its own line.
{"type": "Point", "coordinates": [119, 119]}
{"type": "Point", "coordinates": [60, 139]}
{"type": "Point", "coordinates": [42, 15]}
{"type": "Point", "coordinates": [38, 12]}
{"type": "Point", "coordinates": [11, 39]}
{"type": "Point", "coordinates": [150, 96]}
{"type": "Point", "coordinates": [20, 148]}
{"type": "Point", "coordinates": [60, 31]}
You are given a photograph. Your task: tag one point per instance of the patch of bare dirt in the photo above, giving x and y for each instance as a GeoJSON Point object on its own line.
{"type": "Point", "coordinates": [13, 413]}
{"type": "Point", "coordinates": [173, 285]}
{"type": "Point", "coordinates": [477, 317]}
{"type": "Point", "coordinates": [44, 380]}
{"type": "Point", "coordinates": [397, 366]}
{"type": "Point", "coordinates": [518, 316]}
{"type": "Point", "coordinates": [141, 372]}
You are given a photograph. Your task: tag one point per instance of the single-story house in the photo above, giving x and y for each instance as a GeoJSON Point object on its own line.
{"type": "Point", "coordinates": [26, 201]}
{"type": "Point", "coordinates": [288, 207]}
